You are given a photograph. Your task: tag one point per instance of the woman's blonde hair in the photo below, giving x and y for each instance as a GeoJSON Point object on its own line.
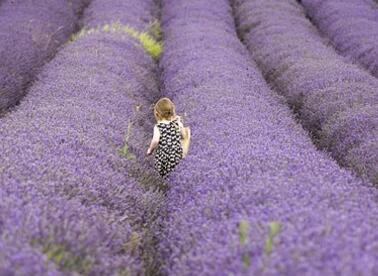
{"type": "Point", "coordinates": [164, 109]}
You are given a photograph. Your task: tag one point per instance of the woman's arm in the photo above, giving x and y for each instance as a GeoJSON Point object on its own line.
{"type": "Point", "coordinates": [155, 140]}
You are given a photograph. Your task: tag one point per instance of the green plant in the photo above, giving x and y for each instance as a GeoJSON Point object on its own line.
{"type": "Point", "coordinates": [149, 44]}
{"type": "Point", "coordinates": [63, 257]}
{"type": "Point", "coordinates": [243, 238]}
{"type": "Point", "coordinates": [124, 151]}
{"type": "Point", "coordinates": [274, 228]}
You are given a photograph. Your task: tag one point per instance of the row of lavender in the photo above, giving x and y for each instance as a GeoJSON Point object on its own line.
{"type": "Point", "coordinates": [30, 33]}
{"type": "Point", "coordinates": [68, 198]}
{"type": "Point", "coordinates": [336, 101]}
{"type": "Point", "coordinates": [251, 168]}
{"type": "Point", "coordinates": [351, 25]}
{"type": "Point", "coordinates": [45, 234]}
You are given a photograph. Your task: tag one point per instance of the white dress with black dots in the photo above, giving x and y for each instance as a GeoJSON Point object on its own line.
{"type": "Point", "coordinates": [169, 150]}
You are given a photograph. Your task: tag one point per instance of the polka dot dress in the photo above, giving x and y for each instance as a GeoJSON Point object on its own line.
{"type": "Point", "coordinates": [169, 150]}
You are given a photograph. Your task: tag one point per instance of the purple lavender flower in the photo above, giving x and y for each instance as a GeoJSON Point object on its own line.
{"type": "Point", "coordinates": [352, 27]}
{"type": "Point", "coordinates": [30, 33]}
{"type": "Point", "coordinates": [251, 164]}
{"type": "Point", "coordinates": [336, 101]}
{"type": "Point", "coordinates": [83, 207]}
{"type": "Point", "coordinates": [49, 235]}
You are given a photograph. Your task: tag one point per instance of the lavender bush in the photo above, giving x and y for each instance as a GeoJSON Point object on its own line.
{"type": "Point", "coordinates": [88, 201]}
{"type": "Point", "coordinates": [30, 33]}
{"type": "Point", "coordinates": [336, 101]}
{"type": "Point", "coordinates": [48, 235]}
{"type": "Point", "coordinates": [352, 27]}
{"type": "Point", "coordinates": [98, 14]}
{"type": "Point", "coordinates": [253, 196]}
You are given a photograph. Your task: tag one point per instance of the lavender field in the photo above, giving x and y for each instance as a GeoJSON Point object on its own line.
{"type": "Point", "coordinates": [282, 100]}
{"type": "Point", "coordinates": [30, 33]}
